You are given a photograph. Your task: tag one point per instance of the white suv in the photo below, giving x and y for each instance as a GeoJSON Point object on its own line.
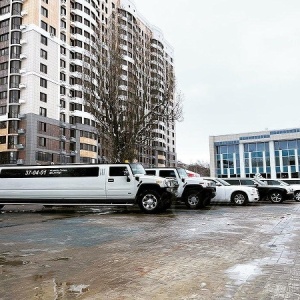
{"type": "Point", "coordinates": [237, 194]}
{"type": "Point", "coordinates": [195, 192]}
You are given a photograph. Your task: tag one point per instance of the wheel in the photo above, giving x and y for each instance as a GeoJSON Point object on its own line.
{"type": "Point", "coordinates": [276, 197]}
{"type": "Point", "coordinates": [297, 196]}
{"type": "Point", "coordinates": [1, 206]}
{"type": "Point", "coordinates": [193, 200]}
{"type": "Point", "coordinates": [239, 198]}
{"type": "Point", "coordinates": [149, 202]}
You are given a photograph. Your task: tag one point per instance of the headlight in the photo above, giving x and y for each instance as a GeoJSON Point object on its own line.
{"type": "Point", "coordinates": [171, 183]}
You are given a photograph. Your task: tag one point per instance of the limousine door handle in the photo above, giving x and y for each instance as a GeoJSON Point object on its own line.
{"type": "Point", "coordinates": [111, 180]}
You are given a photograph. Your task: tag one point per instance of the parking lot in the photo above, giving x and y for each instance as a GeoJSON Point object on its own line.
{"type": "Point", "coordinates": [221, 252]}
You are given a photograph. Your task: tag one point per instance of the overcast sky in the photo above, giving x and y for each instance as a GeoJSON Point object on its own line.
{"type": "Point", "coordinates": [237, 63]}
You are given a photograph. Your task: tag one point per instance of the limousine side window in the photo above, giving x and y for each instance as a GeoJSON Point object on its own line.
{"type": "Point", "coordinates": [150, 172]}
{"type": "Point", "coordinates": [118, 171]}
{"type": "Point", "coordinates": [167, 173]}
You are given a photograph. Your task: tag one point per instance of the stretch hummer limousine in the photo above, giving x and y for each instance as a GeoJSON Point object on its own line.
{"type": "Point", "coordinates": [71, 185]}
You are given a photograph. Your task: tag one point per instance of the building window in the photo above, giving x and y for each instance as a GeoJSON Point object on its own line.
{"type": "Point", "coordinates": [42, 126]}
{"type": "Point", "coordinates": [43, 68]}
{"type": "Point", "coordinates": [4, 10]}
{"type": "Point", "coordinates": [44, 25]}
{"type": "Point", "coordinates": [62, 90]}
{"type": "Point", "coordinates": [14, 81]}
{"type": "Point", "coordinates": [3, 95]}
{"type": "Point", "coordinates": [63, 24]}
{"type": "Point", "coordinates": [52, 31]}
{"type": "Point", "coordinates": [15, 66]}
{"type": "Point", "coordinates": [3, 80]}
{"type": "Point", "coordinates": [4, 51]}
{"type": "Point", "coordinates": [62, 76]}
{"type": "Point", "coordinates": [43, 97]}
{"type": "Point", "coordinates": [43, 112]}
{"type": "Point", "coordinates": [43, 54]}
{"type": "Point", "coordinates": [63, 50]}
{"type": "Point", "coordinates": [3, 110]}
{"type": "Point", "coordinates": [63, 11]}
{"type": "Point", "coordinates": [15, 23]}
{"type": "Point", "coordinates": [63, 37]}
{"type": "Point", "coordinates": [62, 63]}
{"type": "Point", "coordinates": [44, 40]}
{"type": "Point", "coordinates": [4, 37]}
{"type": "Point", "coordinates": [62, 117]}
{"type": "Point", "coordinates": [43, 82]}
{"type": "Point", "coordinates": [2, 139]}
{"type": "Point", "coordinates": [42, 142]}
{"type": "Point", "coordinates": [15, 52]}
{"type": "Point", "coordinates": [14, 96]}
{"type": "Point", "coordinates": [44, 11]}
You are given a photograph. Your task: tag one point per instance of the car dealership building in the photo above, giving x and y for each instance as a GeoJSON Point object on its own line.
{"type": "Point", "coordinates": [271, 153]}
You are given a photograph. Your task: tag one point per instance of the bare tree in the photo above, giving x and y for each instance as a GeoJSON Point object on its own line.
{"type": "Point", "coordinates": [121, 92]}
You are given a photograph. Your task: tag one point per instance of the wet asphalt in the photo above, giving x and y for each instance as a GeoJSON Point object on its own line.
{"type": "Point", "coordinates": [221, 252]}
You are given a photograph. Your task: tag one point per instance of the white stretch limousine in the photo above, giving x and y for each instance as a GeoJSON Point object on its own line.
{"type": "Point", "coordinates": [68, 185]}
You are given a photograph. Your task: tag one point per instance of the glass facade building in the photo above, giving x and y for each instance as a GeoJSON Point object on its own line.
{"type": "Point", "coordinates": [273, 154]}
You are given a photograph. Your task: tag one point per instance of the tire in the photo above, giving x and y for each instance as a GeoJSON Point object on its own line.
{"type": "Point", "coordinates": [276, 197]}
{"type": "Point", "coordinates": [192, 199]}
{"type": "Point", "coordinates": [1, 206]}
{"type": "Point", "coordinates": [239, 198]}
{"type": "Point", "coordinates": [150, 202]}
{"type": "Point", "coordinates": [297, 196]}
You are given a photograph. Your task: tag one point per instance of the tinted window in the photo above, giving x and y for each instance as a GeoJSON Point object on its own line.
{"type": "Point", "coordinates": [118, 171]}
{"type": "Point", "coordinates": [49, 172]}
{"type": "Point", "coordinates": [233, 182]}
{"type": "Point", "coordinates": [167, 173]}
{"type": "Point", "coordinates": [150, 172]}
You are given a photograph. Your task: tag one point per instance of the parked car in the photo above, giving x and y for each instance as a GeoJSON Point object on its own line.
{"type": "Point", "coordinates": [291, 180]}
{"type": "Point", "coordinates": [276, 194]}
{"type": "Point", "coordinates": [195, 192]}
{"type": "Point", "coordinates": [237, 194]}
{"type": "Point", "coordinates": [295, 187]}
{"type": "Point", "coordinates": [85, 185]}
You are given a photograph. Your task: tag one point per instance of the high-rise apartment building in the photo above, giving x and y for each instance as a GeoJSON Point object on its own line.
{"type": "Point", "coordinates": [42, 114]}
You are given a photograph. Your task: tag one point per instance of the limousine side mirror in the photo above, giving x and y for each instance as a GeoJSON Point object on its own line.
{"type": "Point", "coordinates": [126, 173]}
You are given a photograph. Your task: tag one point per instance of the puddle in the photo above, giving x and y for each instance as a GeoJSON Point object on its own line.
{"type": "Point", "coordinates": [243, 272]}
